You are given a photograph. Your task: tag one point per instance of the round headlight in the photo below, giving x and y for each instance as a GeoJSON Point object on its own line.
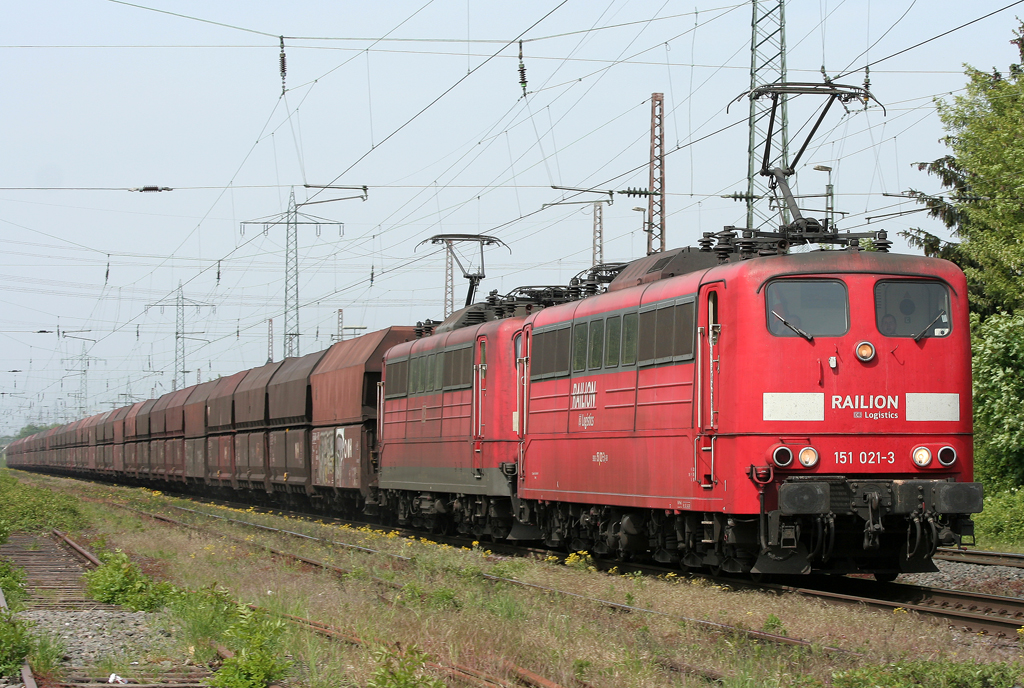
{"type": "Point", "coordinates": [946, 456]}
{"type": "Point", "coordinates": [922, 456]}
{"type": "Point", "coordinates": [782, 456]}
{"type": "Point", "coordinates": [808, 457]}
{"type": "Point", "coordinates": [865, 351]}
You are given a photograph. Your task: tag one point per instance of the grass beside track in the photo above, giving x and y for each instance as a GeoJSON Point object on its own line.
{"type": "Point", "coordinates": [441, 604]}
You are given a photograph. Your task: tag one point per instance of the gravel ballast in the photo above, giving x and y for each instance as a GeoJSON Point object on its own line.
{"type": "Point", "coordinates": [90, 636]}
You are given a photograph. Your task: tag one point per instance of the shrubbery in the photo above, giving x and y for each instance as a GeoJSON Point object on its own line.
{"type": "Point", "coordinates": [30, 509]}
{"type": "Point", "coordinates": [998, 359]}
{"type": "Point", "coordinates": [15, 643]}
{"type": "Point", "coordinates": [253, 638]}
{"type": "Point", "coordinates": [120, 581]}
{"type": "Point", "coordinates": [938, 674]}
{"type": "Point", "coordinates": [1002, 521]}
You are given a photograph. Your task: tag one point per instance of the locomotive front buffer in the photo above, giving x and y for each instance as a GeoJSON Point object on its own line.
{"type": "Point", "coordinates": [819, 518]}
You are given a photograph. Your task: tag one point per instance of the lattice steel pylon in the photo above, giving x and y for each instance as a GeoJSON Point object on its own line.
{"type": "Point", "coordinates": [598, 257]}
{"type": "Point", "coordinates": [180, 335]}
{"type": "Point", "coordinates": [449, 284]}
{"type": "Point", "coordinates": [656, 201]}
{"type": "Point", "coordinates": [291, 281]}
{"type": "Point", "coordinates": [767, 66]}
{"type": "Point", "coordinates": [292, 218]}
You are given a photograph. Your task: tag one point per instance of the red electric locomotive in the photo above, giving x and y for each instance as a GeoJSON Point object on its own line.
{"type": "Point", "coordinates": [775, 415]}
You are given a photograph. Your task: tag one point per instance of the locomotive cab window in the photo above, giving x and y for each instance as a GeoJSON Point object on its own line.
{"type": "Point", "coordinates": [905, 308]}
{"type": "Point", "coordinates": [815, 308]}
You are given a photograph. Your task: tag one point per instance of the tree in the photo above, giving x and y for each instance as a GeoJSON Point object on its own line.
{"type": "Point", "coordinates": [998, 348]}
{"type": "Point", "coordinates": [985, 175]}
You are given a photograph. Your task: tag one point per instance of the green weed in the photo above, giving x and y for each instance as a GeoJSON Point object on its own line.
{"type": "Point", "coordinates": [12, 582]}
{"type": "Point", "coordinates": [120, 581]}
{"type": "Point", "coordinates": [15, 643]}
{"type": "Point", "coordinates": [773, 624]}
{"type": "Point", "coordinates": [30, 509]}
{"type": "Point", "coordinates": [202, 616]}
{"type": "Point", "coordinates": [253, 638]}
{"type": "Point", "coordinates": [401, 670]}
{"type": "Point", "coordinates": [939, 674]}
{"type": "Point", "coordinates": [47, 655]}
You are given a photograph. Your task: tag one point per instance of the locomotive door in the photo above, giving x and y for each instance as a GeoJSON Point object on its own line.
{"type": "Point", "coordinates": [709, 332]}
{"type": "Point", "coordinates": [479, 405]}
{"type": "Point", "coordinates": [521, 346]}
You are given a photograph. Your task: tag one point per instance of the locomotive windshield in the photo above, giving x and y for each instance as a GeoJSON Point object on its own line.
{"type": "Point", "coordinates": [912, 309]}
{"type": "Point", "coordinates": [808, 308]}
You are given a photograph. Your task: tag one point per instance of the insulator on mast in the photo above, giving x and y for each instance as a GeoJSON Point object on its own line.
{"type": "Point", "coordinates": [522, 69]}
{"type": "Point", "coordinates": [284, 66]}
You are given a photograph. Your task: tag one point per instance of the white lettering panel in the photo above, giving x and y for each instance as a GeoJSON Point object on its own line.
{"type": "Point", "coordinates": [933, 406]}
{"type": "Point", "coordinates": [794, 406]}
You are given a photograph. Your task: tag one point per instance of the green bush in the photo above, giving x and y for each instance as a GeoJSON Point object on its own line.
{"type": "Point", "coordinates": [34, 510]}
{"type": "Point", "coordinates": [12, 582]}
{"type": "Point", "coordinates": [1002, 521]}
{"type": "Point", "coordinates": [47, 655]}
{"type": "Point", "coordinates": [253, 638]}
{"type": "Point", "coordinates": [15, 643]}
{"type": "Point", "coordinates": [997, 346]}
{"type": "Point", "coordinates": [202, 617]}
{"type": "Point", "coordinates": [120, 581]}
{"type": "Point", "coordinates": [921, 674]}
{"type": "Point", "coordinates": [401, 670]}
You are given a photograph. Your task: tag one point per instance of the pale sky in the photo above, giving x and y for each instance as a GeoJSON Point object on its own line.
{"type": "Point", "coordinates": [421, 102]}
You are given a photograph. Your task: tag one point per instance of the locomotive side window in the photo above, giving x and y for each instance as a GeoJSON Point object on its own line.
{"type": "Point", "coordinates": [646, 336]}
{"type": "Point", "coordinates": [665, 329]}
{"type": "Point", "coordinates": [550, 353]}
{"type": "Point", "coordinates": [579, 348]}
{"type": "Point", "coordinates": [457, 366]}
{"type": "Point", "coordinates": [613, 336]}
{"type": "Point", "coordinates": [438, 372]}
{"type": "Point", "coordinates": [799, 308]}
{"type": "Point", "coordinates": [397, 380]}
{"type": "Point", "coordinates": [683, 344]}
{"type": "Point", "coordinates": [448, 368]}
{"type": "Point", "coordinates": [596, 344]}
{"type": "Point", "coordinates": [428, 384]}
{"type": "Point", "coordinates": [666, 332]}
{"type": "Point", "coordinates": [629, 338]}
{"type": "Point", "coordinates": [560, 360]}
{"type": "Point", "coordinates": [912, 309]}
{"type": "Point", "coordinates": [415, 381]}
{"type": "Point", "coordinates": [541, 351]}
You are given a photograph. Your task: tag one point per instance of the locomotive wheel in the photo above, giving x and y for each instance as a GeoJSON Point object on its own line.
{"type": "Point", "coordinates": [886, 576]}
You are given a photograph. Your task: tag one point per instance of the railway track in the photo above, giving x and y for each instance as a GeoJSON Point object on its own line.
{"type": "Point", "coordinates": [981, 557]}
{"type": "Point", "coordinates": [970, 612]}
{"type": "Point", "coordinates": [53, 572]}
{"type": "Point", "coordinates": [53, 567]}
{"type": "Point", "coordinates": [993, 615]}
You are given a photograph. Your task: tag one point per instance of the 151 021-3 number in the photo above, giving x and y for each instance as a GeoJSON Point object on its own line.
{"type": "Point", "coordinates": [865, 457]}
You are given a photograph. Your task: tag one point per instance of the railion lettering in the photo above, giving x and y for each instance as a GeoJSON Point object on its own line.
{"type": "Point", "coordinates": [865, 401]}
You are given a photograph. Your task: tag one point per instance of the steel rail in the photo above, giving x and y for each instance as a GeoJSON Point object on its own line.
{"type": "Point", "coordinates": [711, 625]}
{"type": "Point", "coordinates": [981, 557]}
{"type": "Point", "coordinates": [972, 612]}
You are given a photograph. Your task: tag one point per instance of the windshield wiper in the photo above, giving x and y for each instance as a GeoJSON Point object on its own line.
{"type": "Point", "coordinates": [928, 326]}
{"type": "Point", "coordinates": [795, 328]}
